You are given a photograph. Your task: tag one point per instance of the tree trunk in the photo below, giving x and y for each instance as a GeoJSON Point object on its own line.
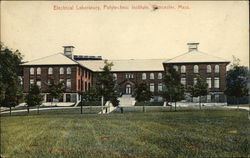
{"type": "Point", "coordinates": [28, 109]}
{"type": "Point", "coordinates": [175, 106]}
{"type": "Point", "coordinates": [143, 108]}
{"type": "Point", "coordinates": [10, 110]}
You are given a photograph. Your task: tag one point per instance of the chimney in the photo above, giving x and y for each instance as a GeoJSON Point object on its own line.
{"type": "Point", "coordinates": [68, 51]}
{"type": "Point", "coordinates": [192, 46]}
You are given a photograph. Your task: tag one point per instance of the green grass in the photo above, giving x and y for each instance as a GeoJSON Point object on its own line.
{"type": "Point", "coordinates": [156, 133]}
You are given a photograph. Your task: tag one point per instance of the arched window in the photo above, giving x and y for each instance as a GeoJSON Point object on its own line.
{"type": "Point", "coordinates": [209, 69]}
{"type": "Point", "coordinates": [144, 76]}
{"type": "Point", "coordinates": [152, 76]}
{"type": "Point", "coordinates": [115, 76]}
{"type": "Point", "coordinates": [61, 70]}
{"type": "Point", "coordinates": [217, 69]}
{"type": "Point", "coordinates": [183, 69]}
{"type": "Point", "coordinates": [159, 76]}
{"type": "Point", "coordinates": [50, 71]}
{"type": "Point", "coordinates": [32, 71]}
{"type": "Point", "coordinates": [176, 68]}
{"type": "Point", "coordinates": [196, 69]}
{"type": "Point", "coordinates": [68, 70]}
{"type": "Point", "coordinates": [38, 71]}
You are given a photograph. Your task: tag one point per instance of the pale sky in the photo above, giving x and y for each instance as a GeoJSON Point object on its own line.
{"type": "Point", "coordinates": [37, 30]}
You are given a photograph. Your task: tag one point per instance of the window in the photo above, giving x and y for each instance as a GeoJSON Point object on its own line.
{"type": "Point", "coordinates": [183, 81]}
{"type": "Point", "coordinates": [115, 76]}
{"type": "Point", "coordinates": [132, 76]}
{"type": "Point", "coordinates": [31, 82]}
{"type": "Point", "coordinates": [217, 69]}
{"type": "Point", "coordinates": [159, 87]}
{"type": "Point", "coordinates": [152, 87]}
{"type": "Point", "coordinates": [216, 82]}
{"type": "Point", "coordinates": [209, 82]}
{"type": "Point", "coordinates": [68, 84]}
{"type": "Point", "coordinates": [196, 69]}
{"type": "Point", "coordinates": [32, 71]}
{"type": "Point", "coordinates": [38, 71]}
{"type": "Point", "coordinates": [209, 69]}
{"type": "Point", "coordinates": [183, 69]}
{"type": "Point", "coordinates": [50, 71]}
{"type": "Point", "coordinates": [38, 83]}
{"type": "Point", "coordinates": [126, 75]}
{"type": "Point", "coordinates": [144, 76]}
{"type": "Point", "coordinates": [68, 70]}
{"type": "Point", "coordinates": [61, 80]}
{"type": "Point", "coordinates": [195, 81]}
{"type": "Point", "coordinates": [152, 76]}
{"type": "Point", "coordinates": [176, 68]}
{"type": "Point", "coordinates": [61, 70]}
{"type": "Point", "coordinates": [159, 76]}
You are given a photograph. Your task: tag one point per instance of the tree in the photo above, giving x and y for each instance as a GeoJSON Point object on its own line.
{"type": "Point", "coordinates": [106, 86]}
{"type": "Point", "coordinates": [199, 89]}
{"type": "Point", "coordinates": [142, 93]}
{"type": "Point", "coordinates": [56, 90]}
{"type": "Point", "coordinates": [174, 90]}
{"type": "Point", "coordinates": [10, 87]}
{"type": "Point", "coordinates": [237, 80]}
{"type": "Point", "coordinates": [34, 97]}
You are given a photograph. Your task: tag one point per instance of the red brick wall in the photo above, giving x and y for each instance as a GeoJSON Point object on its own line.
{"type": "Point", "coordinates": [189, 75]}
{"type": "Point", "coordinates": [74, 76]}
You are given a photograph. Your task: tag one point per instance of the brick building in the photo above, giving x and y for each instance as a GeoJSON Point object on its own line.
{"type": "Point", "coordinates": [79, 73]}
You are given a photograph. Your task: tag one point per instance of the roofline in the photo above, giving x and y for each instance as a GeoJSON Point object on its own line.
{"type": "Point", "coordinates": [135, 71]}
{"type": "Point", "coordinates": [196, 62]}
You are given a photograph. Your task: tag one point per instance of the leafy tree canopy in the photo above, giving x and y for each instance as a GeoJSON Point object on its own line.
{"type": "Point", "coordinates": [142, 92]}
{"type": "Point", "coordinates": [10, 87]}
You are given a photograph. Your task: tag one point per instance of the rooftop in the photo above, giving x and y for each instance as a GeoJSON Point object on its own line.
{"type": "Point", "coordinates": [195, 56]}
{"type": "Point", "coordinates": [126, 64]}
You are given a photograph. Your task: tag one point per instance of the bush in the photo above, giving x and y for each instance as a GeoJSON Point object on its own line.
{"type": "Point", "coordinates": [149, 104]}
{"type": "Point", "coordinates": [90, 103]}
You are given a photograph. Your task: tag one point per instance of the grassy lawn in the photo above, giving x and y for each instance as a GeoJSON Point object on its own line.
{"type": "Point", "coordinates": [156, 133]}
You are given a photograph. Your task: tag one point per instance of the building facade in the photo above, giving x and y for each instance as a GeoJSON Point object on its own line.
{"type": "Point", "coordinates": [79, 73]}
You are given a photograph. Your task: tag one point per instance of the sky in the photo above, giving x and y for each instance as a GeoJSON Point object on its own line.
{"type": "Point", "coordinates": [41, 28]}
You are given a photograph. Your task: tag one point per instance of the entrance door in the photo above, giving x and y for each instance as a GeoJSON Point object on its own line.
{"type": "Point", "coordinates": [128, 89]}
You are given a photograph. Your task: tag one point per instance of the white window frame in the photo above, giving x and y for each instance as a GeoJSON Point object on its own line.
{"type": "Point", "coordinates": [61, 70]}
{"type": "Point", "coordinates": [175, 67]}
{"type": "Point", "coordinates": [183, 69]}
{"type": "Point", "coordinates": [38, 71]}
{"type": "Point", "coordinates": [32, 71]}
{"type": "Point", "coordinates": [195, 81]}
{"type": "Point", "coordinates": [183, 81]}
{"type": "Point", "coordinates": [152, 87]}
{"type": "Point", "coordinates": [152, 76]}
{"type": "Point", "coordinates": [115, 76]}
{"type": "Point", "coordinates": [68, 84]}
{"type": "Point", "coordinates": [159, 75]}
{"type": "Point", "coordinates": [159, 87]}
{"type": "Point", "coordinates": [209, 82]}
{"type": "Point", "coordinates": [217, 68]}
{"type": "Point", "coordinates": [68, 70]}
{"type": "Point", "coordinates": [209, 68]}
{"type": "Point", "coordinates": [196, 69]}
{"type": "Point", "coordinates": [50, 71]}
{"type": "Point", "coordinates": [144, 76]}
{"type": "Point", "coordinates": [39, 83]}
{"type": "Point", "coordinates": [216, 82]}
